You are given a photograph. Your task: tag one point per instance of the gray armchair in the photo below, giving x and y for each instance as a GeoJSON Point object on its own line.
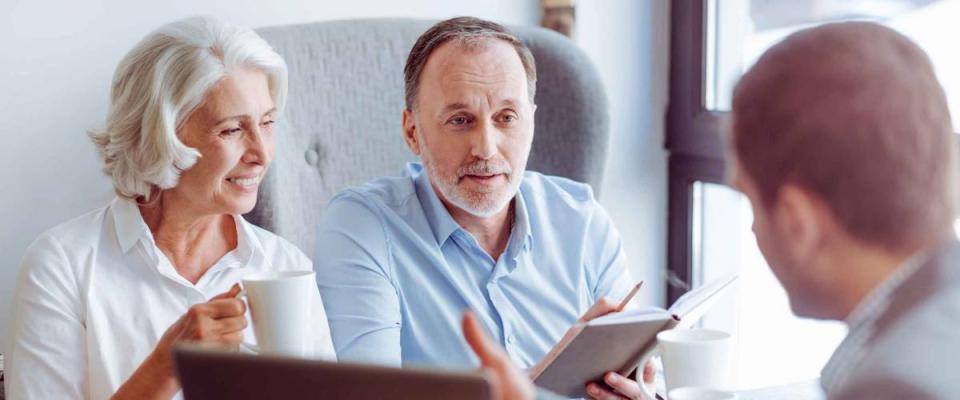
{"type": "Point", "coordinates": [342, 123]}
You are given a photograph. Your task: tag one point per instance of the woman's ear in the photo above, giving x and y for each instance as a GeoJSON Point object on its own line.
{"type": "Point", "coordinates": [410, 132]}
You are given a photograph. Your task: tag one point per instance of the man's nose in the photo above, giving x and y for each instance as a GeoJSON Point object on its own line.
{"type": "Point", "coordinates": [485, 142]}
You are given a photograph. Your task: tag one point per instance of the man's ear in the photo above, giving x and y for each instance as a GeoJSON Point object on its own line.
{"type": "Point", "coordinates": [803, 218]}
{"type": "Point", "coordinates": [410, 132]}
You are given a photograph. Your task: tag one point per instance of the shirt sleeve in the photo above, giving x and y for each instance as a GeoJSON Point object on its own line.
{"type": "Point", "coordinates": [48, 352]}
{"type": "Point", "coordinates": [608, 260]}
{"type": "Point", "coordinates": [353, 274]}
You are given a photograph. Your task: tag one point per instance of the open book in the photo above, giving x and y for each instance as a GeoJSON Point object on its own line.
{"type": "Point", "coordinates": [617, 342]}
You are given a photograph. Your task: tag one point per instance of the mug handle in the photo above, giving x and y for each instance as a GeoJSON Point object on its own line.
{"type": "Point", "coordinates": [645, 391]}
{"type": "Point", "coordinates": [251, 348]}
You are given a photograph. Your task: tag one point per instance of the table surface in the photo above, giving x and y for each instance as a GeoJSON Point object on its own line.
{"type": "Point", "coordinates": [805, 390]}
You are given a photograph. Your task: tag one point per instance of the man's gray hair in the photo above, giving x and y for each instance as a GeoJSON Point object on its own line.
{"type": "Point", "coordinates": [156, 87]}
{"type": "Point", "coordinates": [467, 31]}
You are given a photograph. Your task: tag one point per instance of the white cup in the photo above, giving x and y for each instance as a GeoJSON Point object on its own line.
{"type": "Point", "coordinates": [280, 306]}
{"type": "Point", "coordinates": [696, 358]}
{"type": "Point", "coordinates": [699, 393]}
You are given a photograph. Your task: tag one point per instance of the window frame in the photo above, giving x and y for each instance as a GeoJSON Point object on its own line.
{"type": "Point", "coordinates": [693, 138]}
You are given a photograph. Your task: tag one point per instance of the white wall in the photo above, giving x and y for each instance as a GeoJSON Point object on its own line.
{"type": "Point", "coordinates": [629, 42]}
{"type": "Point", "coordinates": [57, 58]}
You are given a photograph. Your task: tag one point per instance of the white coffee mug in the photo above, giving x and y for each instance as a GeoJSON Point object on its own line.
{"type": "Point", "coordinates": [280, 305]}
{"type": "Point", "coordinates": [696, 358]}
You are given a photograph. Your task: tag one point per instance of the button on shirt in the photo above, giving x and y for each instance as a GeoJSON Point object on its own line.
{"type": "Point", "coordinates": [397, 272]}
{"type": "Point", "coordinates": [95, 295]}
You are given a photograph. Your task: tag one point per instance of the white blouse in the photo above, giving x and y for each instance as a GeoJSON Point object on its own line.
{"type": "Point", "coordinates": [95, 294]}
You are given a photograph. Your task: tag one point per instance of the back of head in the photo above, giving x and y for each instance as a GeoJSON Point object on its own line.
{"type": "Point", "coordinates": [853, 113]}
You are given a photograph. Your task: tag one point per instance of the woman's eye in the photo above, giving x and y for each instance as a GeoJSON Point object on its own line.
{"type": "Point", "coordinates": [509, 118]}
{"type": "Point", "coordinates": [231, 131]}
{"type": "Point", "coordinates": [267, 123]}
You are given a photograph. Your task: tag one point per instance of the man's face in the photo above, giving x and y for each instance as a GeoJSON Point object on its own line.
{"type": "Point", "coordinates": [788, 240]}
{"type": "Point", "coordinates": [472, 125]}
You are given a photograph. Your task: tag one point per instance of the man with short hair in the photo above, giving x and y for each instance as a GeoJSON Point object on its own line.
{"type": "Point", "coordinates": [842, 141]}
{"type": "Point", "coordinates": [400, 259]}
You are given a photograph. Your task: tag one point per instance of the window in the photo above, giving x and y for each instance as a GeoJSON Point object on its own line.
{"type": "Point", "coordinates": [712, 43]}
{"type": "Point", "coordinates": [739, 31]}
{"type": "Point", "coordinates": [772, 345]}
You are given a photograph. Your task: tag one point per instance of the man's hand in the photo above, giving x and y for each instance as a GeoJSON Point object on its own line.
{"type": "Point", "coordinates": [602, 307]}
{"type": "Point", "coordinates": [623, 387]}
{"type": "Point", "coordinates": [509, 383]}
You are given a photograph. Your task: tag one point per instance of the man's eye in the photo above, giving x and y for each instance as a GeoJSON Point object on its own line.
{"type": "Point", "coordinates": [508, 118]}
{"type": "Point", "coordinates": [267, 123]}
{"type": "Point", "coordinates": [231, 131]}
{"type": "Point", "coordinates": [458, 120]}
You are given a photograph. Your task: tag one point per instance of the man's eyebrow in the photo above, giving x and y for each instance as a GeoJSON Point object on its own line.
{"type": "Point", "coordinates": [453, 107]}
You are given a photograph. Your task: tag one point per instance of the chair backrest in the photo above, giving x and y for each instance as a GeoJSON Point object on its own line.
{"type": "Point", "coordinates": [342, 124]}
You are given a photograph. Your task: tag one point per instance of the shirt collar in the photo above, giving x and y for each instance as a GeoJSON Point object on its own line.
{"type": "Point", "coordinates": [129, 223]}
{"type": "Point", "coordinates": [873, 305]}
{"type": "Point", "coordinates": [131, 228]}
{"type": "Point", "coordinates": [442, 223]}
{"type": "Point", "coordinates": [249, 249]}
{"type": "Point", "coordinates": [860, 323]}
{"type": "Point", "coordinates": [521, 237]}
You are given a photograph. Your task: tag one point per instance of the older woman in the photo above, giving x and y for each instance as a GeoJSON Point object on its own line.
{"type": "Point", "coordinates": [101, 299]}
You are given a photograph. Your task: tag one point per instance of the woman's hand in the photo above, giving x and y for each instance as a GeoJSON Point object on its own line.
{"type": "Point", "coordinates": [219, 322]}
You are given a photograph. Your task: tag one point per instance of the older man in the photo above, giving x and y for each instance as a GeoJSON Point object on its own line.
{"type": "Point", "coordinates": [400, 258]}
{"type": "Point", "coordinates": [842, 141]}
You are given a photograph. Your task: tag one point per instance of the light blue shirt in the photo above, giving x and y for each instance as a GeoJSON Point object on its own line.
{"type": "Point", "coordinates": [396, 271]}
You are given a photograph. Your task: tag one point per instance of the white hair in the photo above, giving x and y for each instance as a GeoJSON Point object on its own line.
{"type": "Point", "coordinates": [156, 87]}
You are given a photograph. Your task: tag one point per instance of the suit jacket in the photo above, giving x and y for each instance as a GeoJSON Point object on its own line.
{"type": "Point", "coordinates": [912, 347]}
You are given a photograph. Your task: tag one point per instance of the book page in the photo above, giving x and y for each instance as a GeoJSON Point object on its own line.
{"type": "Point", "coordinates": [693, 304]}
{"type": "Point", "coordinates": [639, 314]}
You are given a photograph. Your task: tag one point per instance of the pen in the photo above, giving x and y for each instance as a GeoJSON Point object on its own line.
{"type": "Point", "coordinates": [633, 292]}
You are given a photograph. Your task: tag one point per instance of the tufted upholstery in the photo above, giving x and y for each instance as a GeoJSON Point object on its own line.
{"type": "Point", "coordinates": [342, 122]}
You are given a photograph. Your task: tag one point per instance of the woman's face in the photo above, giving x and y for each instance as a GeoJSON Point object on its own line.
{"type": "Point", "coordinates": [233, 131]}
